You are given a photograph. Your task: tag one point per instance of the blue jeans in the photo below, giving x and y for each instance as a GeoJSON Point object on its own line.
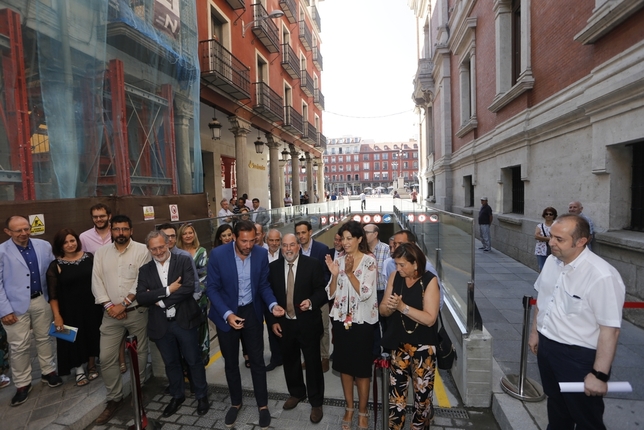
{"type": "Point", "coordinates": [179, 342]}
{"type": "Point", "coordinates": [541, 259]}
{"type": "Point", "coordinates": [485, 236]}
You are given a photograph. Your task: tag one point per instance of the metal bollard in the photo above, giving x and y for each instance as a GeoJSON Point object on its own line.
{"type": "Point", "coordinates": [520, 386]}
{"type": "Point", "coordinates": [141, 421]}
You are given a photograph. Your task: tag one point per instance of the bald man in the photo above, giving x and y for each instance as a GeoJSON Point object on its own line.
{"type": "Point", "coordinates": [577, 209]}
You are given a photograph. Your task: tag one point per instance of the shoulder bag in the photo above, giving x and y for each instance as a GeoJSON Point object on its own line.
{"type": "Point", "coordinates": [445, 352]}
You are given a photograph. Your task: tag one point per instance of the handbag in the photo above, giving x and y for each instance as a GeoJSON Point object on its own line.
{"type": "Point", "coordinates": [548, 252]}
{"type": "Point", "coordinates": [445, 352]}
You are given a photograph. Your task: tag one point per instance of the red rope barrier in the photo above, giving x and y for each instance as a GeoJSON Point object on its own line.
{"type": "Point", "coordinates": [380, 363]}
{"type": "Point", "coordinates": [627, 305]}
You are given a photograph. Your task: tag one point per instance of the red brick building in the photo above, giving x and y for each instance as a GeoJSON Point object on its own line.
{"type": "Point", "coordinates": [353, 165]}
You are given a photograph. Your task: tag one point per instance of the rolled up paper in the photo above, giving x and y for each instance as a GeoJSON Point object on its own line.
{"type": "Point", "coordinates": [578, 387]}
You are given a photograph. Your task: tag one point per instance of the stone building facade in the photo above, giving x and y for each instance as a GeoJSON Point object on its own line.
{"type": "Point", "coordinates": [534, 104]}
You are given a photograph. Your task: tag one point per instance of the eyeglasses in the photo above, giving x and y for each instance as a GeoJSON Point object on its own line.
{"type": "Point", "coordinates": [171, 236]}
{"type": "Point", "coordinates": [121, 229]}
{"type": "Point", "coordinates": [99, 216]}
{"type": "Point", "coordinates": [21, 230]}
{"type": "Point", "coordinates": [549, 214]}
{"type": "Point", "coordinates": [367, 231]}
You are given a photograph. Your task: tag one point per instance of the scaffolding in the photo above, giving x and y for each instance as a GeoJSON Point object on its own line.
{"type": "Point", "coordinates": [99, 97]}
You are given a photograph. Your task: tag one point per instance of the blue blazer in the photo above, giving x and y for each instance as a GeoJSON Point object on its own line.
{"type": "Point", "coordinates": [15, 280]}
{"type": "Point", "coordinates": [222, 283]}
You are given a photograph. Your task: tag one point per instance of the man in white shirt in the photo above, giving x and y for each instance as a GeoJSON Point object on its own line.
{"type": "Point", "coordinates": [225, 214]}
{"type": "Point", "coordinates": [576, 325]}
{"type": "Point", "coordinates": [114, 280]}
{"type": "Point", "coordinates": [100, 234]}
{"type": "Point", "coordinates": [259, 239]}
{"type": "Point", "coordinates": [274, 240]}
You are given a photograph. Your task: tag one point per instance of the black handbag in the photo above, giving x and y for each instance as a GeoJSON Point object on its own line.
{"type": "Point", "coordinates": [445, 352]}
{"type": "Point", "coordinates": [548, 251]}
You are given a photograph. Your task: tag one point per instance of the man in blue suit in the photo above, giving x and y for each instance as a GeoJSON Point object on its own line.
{"type": "Point", "coordinates": [24, 305]}
{"type": "Point", "coordinates": [238, 289]}
{"type": "Point", "coordinates": [317, 250]}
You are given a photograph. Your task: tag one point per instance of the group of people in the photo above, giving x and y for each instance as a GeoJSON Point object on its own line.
{"type": "Point", "coordinates": [104, 284]}
{"type": "Point", "coordinates": [542, 231]}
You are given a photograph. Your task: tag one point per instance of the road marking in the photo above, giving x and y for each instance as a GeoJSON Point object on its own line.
{"type": "Point", "coordinates": [439, 391]}
{"type": "Point", "coordinates": [214, 358]}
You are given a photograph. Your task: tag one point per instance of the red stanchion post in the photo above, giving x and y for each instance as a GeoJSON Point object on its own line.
{"type": "Point", "coordinates": [141, 421]}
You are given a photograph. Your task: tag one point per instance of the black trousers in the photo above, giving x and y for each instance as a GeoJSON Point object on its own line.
{"type": "Point", "coordinates": [296, 338]}
{"type": "Point", "coordinates": [253, 336]}
{"type": "Point", "coordinates": [568, 363]}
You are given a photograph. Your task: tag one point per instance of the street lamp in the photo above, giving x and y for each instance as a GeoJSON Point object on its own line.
{"type": "Point", "coordinates": [272, 15]}
{"type": "Point", "coordinates": [259, 145]}
{"type": "Point", "coordinates": [302, 163]}
{"type": "Point", "coordinates": [285, 154]}
{"type": "Point", "coordinates": [215, 127]}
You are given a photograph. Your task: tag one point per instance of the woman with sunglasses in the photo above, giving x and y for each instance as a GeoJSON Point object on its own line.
{"type": "Point", "coordinates": [542, 235]}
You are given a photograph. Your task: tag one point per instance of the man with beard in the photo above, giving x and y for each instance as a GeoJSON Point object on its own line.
{"type": "Point", "coordinates": [174, 318]}
{"type": "Point", "coordinates": [98, 235]}
{"type": "Point", "coordinates": [114, 278]}
{"type": "Point", "coordinates": [274, 240]}
{"type": "Point", "coordinates": [238, 289]}
{"type": "Point", "coordinates": [298, 284]}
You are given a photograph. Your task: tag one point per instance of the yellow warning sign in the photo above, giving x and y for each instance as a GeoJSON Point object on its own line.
{"type": "Point", "coordinates": [37, 223]}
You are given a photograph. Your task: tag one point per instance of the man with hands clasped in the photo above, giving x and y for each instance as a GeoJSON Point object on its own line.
{"type": "Point", "coordinates": [238, 289]}
{"type": "Point", "coordinates": [298, 283]}
{"type": "Point", "coordinates": [576, 325]}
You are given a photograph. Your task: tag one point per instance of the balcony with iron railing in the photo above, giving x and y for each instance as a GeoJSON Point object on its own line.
{"type": "Point", "coordinates": [317, 57]}
{"type": "Point", "coordinates": [292, 120]}
{"type": "Point", "coordinates": [268, 103]}
{"type": "Point", "coordinates": [321, 142]}
{"type": "Point", "coordinates": [306, 83]}
{"type": "Point", "coordinates": [316, 18]}
{"type": "Point", "coordinates": [290, 62]}
{"type": "Point", "coordinates": [221, 69]}
{"type": "Point", "coordinates": [310, 134]}
{"type": "Point", "coordinates": [236, 4]}
{"type": "Point", "coordinates": [289, 7]}
{"type": "Point", "coordinates": [265, 29]}
{"type": "Point", "coordinates": [305, 36]}
{"type": "Point", "coordinates": [318, 98]}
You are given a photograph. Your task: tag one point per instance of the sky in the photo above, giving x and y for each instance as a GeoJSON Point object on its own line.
{"type": "Point", "coordinates": [369, 59]}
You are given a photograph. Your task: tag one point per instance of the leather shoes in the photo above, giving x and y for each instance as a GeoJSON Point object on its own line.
{"type": "Point", "coordinates": [231, 416]}
{"type": "Point", "coordinates": [173, 407]}
{"type": "Point", "coordinates": [110, 409]}
{"type": "Point", "coordinates": [291, 402]}
{"type": "Point", "coordinates": [316, 414]}
{"type": "Point", "coordinates": [203, 405]}
{"type": "Point", "coordinates": [325, 365]}
{"type": "Point", "coordinates": [272, 366]}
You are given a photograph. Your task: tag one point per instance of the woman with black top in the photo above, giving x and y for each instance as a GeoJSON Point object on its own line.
{"type": "Point", "coordinates": [411, 302]}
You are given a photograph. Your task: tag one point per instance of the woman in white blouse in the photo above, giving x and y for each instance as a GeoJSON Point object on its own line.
{"type": "Point", "coordinates": [354, 312]}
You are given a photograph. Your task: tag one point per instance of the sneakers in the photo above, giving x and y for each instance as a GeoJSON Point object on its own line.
{"type": "Point", "coordinates": [110, 409]}
{"type": "Point", "coordinates": [22, 394]}
{"type": "Point", "coordinates": [4, 381]}
{"type": "Point", "coordinates": [52, 379]}
{"type": "Point", "coordinates": [231, 416]}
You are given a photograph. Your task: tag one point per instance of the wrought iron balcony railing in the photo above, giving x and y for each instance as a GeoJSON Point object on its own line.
{"type": "Point", "coordinates": [305, 36]}
{"type": "Point", "coordinates": [265, 29]}
{"type": "Point", "coordinates": [268, 102]}
{"type": "Point", "coordinates": [318, 98]}
{"type": "Point", "coordinates": [221, 69]}
{"type": "Point", "coordinates": [316, 18]}
{"type": "Point", "coordinates": [310, 134]}
{"type": "Point", "coordinates": [292, 120]}
{"type": "Point", "coordinates": [290, 62]}
{"type": "Point", "coordinates": [317, 58]}
{"type": "Point", "coordinates": [289, 7]}
{"type": "Point", "coordinates": [306, 83]}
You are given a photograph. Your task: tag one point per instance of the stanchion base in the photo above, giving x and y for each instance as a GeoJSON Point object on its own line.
{"type": "Point", "coordinates": [152, 425]}
{"type": "Point", "coordinates": [532, 391]}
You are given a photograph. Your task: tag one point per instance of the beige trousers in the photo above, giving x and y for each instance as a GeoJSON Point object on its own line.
{"type": "Point", "coordinates": [112, 332]}
{"type": "Point", "coordinates": [37, 318]}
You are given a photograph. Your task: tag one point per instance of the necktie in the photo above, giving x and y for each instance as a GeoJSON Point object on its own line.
{"type": "Point", "coordinates": [290, 286]}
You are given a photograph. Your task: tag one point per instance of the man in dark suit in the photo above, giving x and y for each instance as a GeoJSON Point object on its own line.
{"type": "Point", "coordinates": [165, 285]}
{"type": "Point", "coordinates": [238, 289]}
{"type": "Point", "coordinates": [317, 250]}
{"type": "Point", "coordinates": [301, 327]}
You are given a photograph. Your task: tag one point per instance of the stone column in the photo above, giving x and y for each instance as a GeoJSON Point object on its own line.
{"type": "Point", "coordinates": [183, 113]}
{"type": "Point", "coordinates": [295, 174]}
{"type": "Point", "coordinates": [240, 129]}
{"type": "Point", "coordinates": [309, 177]}
{"type": "Point", "coordinates": [274, 172]}
{"type": "Point", "coordinates": [282, 179]}
{"type": "Point", "coordinates": [320, 179]}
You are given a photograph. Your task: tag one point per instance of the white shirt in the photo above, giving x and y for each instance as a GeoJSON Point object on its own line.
{"type": "Point", "coordinates": [162, 270]}
{"type": "Point", "coordinates": [273, 257]}
{"type": "Point", "coordinates": [576, 298]}
{"type": "Point", "coordinates": [286, 263]}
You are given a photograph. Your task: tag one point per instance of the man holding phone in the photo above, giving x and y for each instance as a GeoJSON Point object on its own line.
{"type": "Point", "coordinates": [237, 286]}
